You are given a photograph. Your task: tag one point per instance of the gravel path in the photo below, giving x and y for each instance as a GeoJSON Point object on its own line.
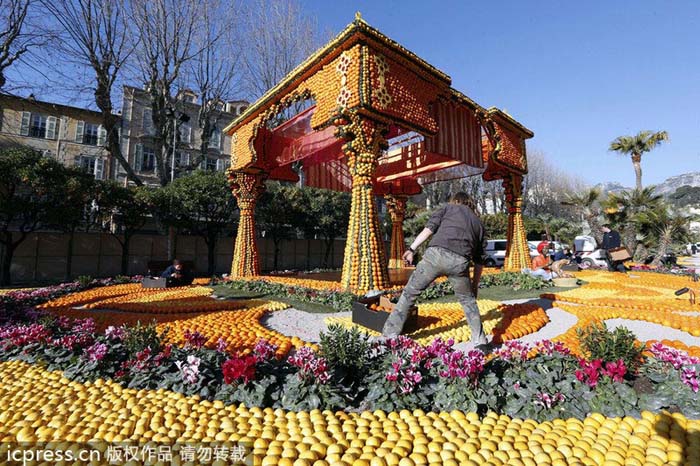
{"type": "Point", "coordinates": [305, 325]}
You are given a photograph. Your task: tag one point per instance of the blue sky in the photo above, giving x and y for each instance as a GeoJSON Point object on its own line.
{"type": "Point", "coordinates": [578, 74]}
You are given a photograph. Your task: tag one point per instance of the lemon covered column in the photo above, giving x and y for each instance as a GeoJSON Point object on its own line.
{"type": "Point", "coordinates": [396, 206]}
{"type": "Point", "coordinates": [518, 253]}
{"type": "Point", "coordinates": [246, 188]}
{"type": "Point", "coordinates": [364, 264]}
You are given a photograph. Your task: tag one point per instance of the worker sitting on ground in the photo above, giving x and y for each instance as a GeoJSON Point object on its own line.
{"type": "Point", "coordinates": [177, 274]}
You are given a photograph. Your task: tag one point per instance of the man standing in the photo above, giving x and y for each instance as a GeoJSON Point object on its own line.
{"type": "Point", "coordinates": [458, 238]}
{"type": "Point", "coordinates": [611, 240]}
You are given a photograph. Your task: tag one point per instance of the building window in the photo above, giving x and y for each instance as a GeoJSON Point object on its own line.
{"type": "Point", "coordinates": [222, 164]}
{"type": "Point", "coordinates": [86, 163]}
{"type": "Point", "coordinates": [149, 160]}
{"type": "Point", "coordinates": [148, 127]}
{"type": "Point", "coordinates": [185, 133]}
{"type": "Point", "coordinates": [91, 132]}
{"type": "Point", "coordinates": [182, 159]}
{"type": "Point", "coordinates": [145, 159]}
{"type": "Point", "coordinates": [210, 164]}
{"type": "Point", "coordinates": [93, 165]}
{"type": "Point", "coordinates": [215, 139]}
{"type": "Point", "coordinates": [37, 128]}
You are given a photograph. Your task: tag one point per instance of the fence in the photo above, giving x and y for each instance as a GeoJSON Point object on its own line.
{"type": "Point", "coordinates": [41, 258]}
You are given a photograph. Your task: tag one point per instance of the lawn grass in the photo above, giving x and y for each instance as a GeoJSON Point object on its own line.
{"type": "Point", "coordinates": [494, 293]}
{"type": "Point", "coordinates": [229, 293]}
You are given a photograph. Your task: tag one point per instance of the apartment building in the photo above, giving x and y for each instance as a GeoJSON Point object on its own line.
{"type": "Point", "coordinates": [71, 135]}
{"type": "Point", "coordinates": [75, 137]}
{"type": "Point", "coordinates": [138, 132]}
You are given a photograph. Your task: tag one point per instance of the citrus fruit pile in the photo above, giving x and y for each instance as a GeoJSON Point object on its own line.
{"type": "Point", "coordinates": [446, 320]}
{"type": "Point", "coordinates": [644, 296]}
{"type": "Point", "coordinates": [37, 405]}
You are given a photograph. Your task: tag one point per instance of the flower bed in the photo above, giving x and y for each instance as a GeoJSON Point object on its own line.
{"type": "Point", "coordinates": [330, 293]}
{"type": "Point", "coordinates": [646, 296]}
{"type": "Point", "coordinates": [540, 382]}
{"type": "Point", "coordinates": [386, 387]}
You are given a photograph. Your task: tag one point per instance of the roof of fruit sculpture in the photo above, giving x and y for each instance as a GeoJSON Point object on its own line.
{"type": "Point", "coordinates": [362, 72]}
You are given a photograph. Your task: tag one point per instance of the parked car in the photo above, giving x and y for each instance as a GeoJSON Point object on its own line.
{"type": "Point", "coordinates": [689, 248]}
{"type": "Point", "coordinates": [592, 259]}
{"type": "Point", "coordinates": [496, 252]}
{"type": "Point", "coordinates": [587, 253]}
{"type": "Point", "coordinates": [667, 259]}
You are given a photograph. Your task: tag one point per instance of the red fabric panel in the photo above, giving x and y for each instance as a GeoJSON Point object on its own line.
{"type": "Point", "coordinates": [459, 136]}
{"type": "Point", "coordinates": [317, 146]}
{"type": "Point", "coordinates": [410, 161]}
{"type": "Point", "coordinates": [333, 174]}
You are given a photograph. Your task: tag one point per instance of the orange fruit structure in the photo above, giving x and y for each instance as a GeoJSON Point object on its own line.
{"type": "Point", "coordinates": [379, 121]}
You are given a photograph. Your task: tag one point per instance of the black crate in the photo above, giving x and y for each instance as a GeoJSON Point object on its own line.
{"type": "Point", "coordinates": [374, 320]}
{"type": "Point", "coordinates": [154, 282]}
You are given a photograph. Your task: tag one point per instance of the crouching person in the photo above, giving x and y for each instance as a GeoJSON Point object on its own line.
{"type": "Point", "coordinates": [178, 274]}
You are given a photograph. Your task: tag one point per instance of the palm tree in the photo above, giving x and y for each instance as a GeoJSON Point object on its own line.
{"type": "Point", "coordinates": [637, 145]}
{"type": "Point", "coordinates": [586, 203]}
{"type": "Point", "coordinates": [621, 210]}
{"type": "Point", "coordinates": [663, 229]}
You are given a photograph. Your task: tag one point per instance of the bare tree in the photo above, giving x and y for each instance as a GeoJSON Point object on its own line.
{"type": "Point", "coordinates": [166, 32]}
{"type": "Point", "coordinates": [19, 34]}
{"type": "Point", "coordinates": [546, 186]}
{"type": "Point", "coordinates": [214, 70]}
{"type": "Point", "coordinates": [278, 38]}
{"type": "Point", "coordinates": [96, 36]}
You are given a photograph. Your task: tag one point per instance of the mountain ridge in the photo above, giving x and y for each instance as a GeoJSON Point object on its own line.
{"type": "Point", "coordinates": [665, 188]}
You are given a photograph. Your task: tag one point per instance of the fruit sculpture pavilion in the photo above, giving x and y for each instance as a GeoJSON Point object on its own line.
{"type": "Point", "coordinates": [378, 118]}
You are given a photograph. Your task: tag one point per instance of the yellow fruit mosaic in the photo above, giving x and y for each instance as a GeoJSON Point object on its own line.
{"type": "Point", "coordinates": [37, 405]}
{"type": "Point", "coordinates": [643, 296]}
{"type": "Point", "coordinates": [446, 320]}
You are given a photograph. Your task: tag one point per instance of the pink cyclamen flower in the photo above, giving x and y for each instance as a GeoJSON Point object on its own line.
{"type": "Point", "coordinates": [615, 370]}
{"type": "Point", "coordinates": [513, 350]}
{"type": "Point", "coordinates": [194, 339]}
{"type": "Point", "coordinates": [190, 369]}
{"type": "Point", "coordinates": [689, 376]}
{"type": "Point", "coordinates": [549, 347]}
{"type": "Point", "coordinates": [221, 345]}
{"type": "Point", "coordinates": [116, 333]}
{"type": "Point", "coordinates": [96, 352]}
{"type": "Point", "coordinates": [264, 350]}
{"type": "Point", "coordinates": [310, 366]}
